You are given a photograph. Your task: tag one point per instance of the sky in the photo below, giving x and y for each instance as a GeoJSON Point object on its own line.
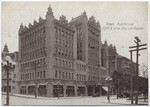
{"type": "Point", "coordinates": [120, 21]}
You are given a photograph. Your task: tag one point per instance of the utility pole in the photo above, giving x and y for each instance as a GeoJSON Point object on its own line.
{"type": "Point", "coordinates": [137, 40]}
{"type": "Point", "coordinates": [131, 78]}
{"type": "Point", "coordinates": [108, 94]}
{"type": "Point", "coordinates": [35, 80]}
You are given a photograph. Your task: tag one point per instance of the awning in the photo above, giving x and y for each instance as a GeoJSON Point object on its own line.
{"type": "Point", "coordinates": [105, 88]}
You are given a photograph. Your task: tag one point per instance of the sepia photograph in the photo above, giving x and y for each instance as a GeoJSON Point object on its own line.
{"type": "Point", "coordinates": [76, 53]}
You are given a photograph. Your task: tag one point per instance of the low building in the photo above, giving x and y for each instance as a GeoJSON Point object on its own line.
{"type": "Point", "coordinates": [13, 75]}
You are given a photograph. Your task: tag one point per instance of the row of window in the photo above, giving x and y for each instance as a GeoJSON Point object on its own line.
{"type": "Point", "coordinates": [79, 45]}
{"type": "Point", "coordinates": [93, 69]}
{"type": "Point", "coordinates": [79, 36]}
{"type": "Point", "coordinates": [81, 67]}
{"type": "Point", "coordinates": [81, 77]}
{"type": "Point", "coordinates": [93, 62]}
{"type": "Point", "coordinates": [92, 33]}
{"type": "Point", "coordinates": [63, 33]}
{"type": "Point", "coordinates": [78, 30]}
{"type": "Point", "coordinates": [93, 78]}
{"type": "Point", "coordinates": [64, 63]}
{"type": "Point", "coordinates": [93, 47]}
{"type": "Point", "coordinates": [93, 40]}
{"type": "Point", "coordinates": [93, 55]}
{"type": "Point", "coordinates": [35, 53]}
{"type": "Point", "coordinates": [33, 44]}
{"type": "Point", "coordinates": [64, 43]}
{"type": "Point", "coordinates": [31, 64]}
{"type": "Point", "coordinates": [32, 35]}
{"type": "Point", "coordinates": [63, 75]}
{"type": "Point", "coordinates": [31, 76]}
{"type": "Point", "coordinates": [62, 52]}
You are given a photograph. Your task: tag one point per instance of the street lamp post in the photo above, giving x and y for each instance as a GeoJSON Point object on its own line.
{"type": "Point", "coordinates": [108, 85]}
{"type": "Point", "coordinates": [58, 90]}
{"type": "Point", "coordinates": [9, 66]}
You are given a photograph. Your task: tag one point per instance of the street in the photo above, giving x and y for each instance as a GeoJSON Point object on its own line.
{"type": "Point", "coordinates": [27, 100]}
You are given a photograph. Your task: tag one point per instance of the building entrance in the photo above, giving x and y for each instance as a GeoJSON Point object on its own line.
{"type": "Point", "coordinates": [23, 90]}
{"type": "Point", "coordinates": [70, 91]}
{"type": "Point", "coordinates": [81, 91]}
{"type": "Point", "coordinates": [90, 90]}
{"type": "Point", "coordinates": [42, 90]}
{"type": "Point", "coordinates": [31, 90]}
{"type": "Point", "coordinates": [58, 90]}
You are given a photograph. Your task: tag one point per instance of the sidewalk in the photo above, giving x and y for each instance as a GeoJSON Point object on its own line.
{"type": "Point", "coordinates": [42, 97]}
{"type": "Point", "coordinates": [80, 100]}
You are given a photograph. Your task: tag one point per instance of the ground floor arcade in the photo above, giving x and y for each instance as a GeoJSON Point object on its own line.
{"type": "Point", "coordinates": [55, 88]}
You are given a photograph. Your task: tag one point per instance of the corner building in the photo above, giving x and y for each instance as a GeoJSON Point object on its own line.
{"type": "Point", "coordinates": [61, 57]}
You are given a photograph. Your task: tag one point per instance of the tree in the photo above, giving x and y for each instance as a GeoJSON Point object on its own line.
{"type": "Point", "coordinates": [117, 81]}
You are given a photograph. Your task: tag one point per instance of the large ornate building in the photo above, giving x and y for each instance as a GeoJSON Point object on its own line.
{"type": "Point", "coordinates": [63, 57]}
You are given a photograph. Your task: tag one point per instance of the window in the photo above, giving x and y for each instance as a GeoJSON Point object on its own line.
{"type": "Point", "coordinates": [30, 75]}
{"type": "Point", "coordinates": [63, 75]}
{"type": "Point", "coordinates": [59, 74]}
{"type": "Point", "coordinates": [33, 75]}
{"type": "Point", "coordinates": [56, 30]}
{"type": "Point", "coordinates": [56, 63]}
{"type": "Point", "coordinates": [63, 63]}
{"type": "Point", "coordinates": [43, 74]}
{"type": "Point", "coordinates": [56, 40]}
{"type": "Point", "coordinates": [44, 61]}
{"type": "Point", "coordinates": [14, 75]}
{"type": "Point", "coordinates": [44, 30]}
{"type": "Point", "coordinates": [59, 62]}
{"type": "Point", "coordinates": [72, 75]}
{"type": "Point", "coordinates": [66, 75]}
{"type": "Point", "coordinates": [69, 65]}
{"type": "Point", "coordinates": [69, 75]}
{"type": "Point", "coordinates": [55, 74]}
{"type": "Point", "coordinates": [66, 64]}
{"type": "Point", "coordinates": [41, 62]}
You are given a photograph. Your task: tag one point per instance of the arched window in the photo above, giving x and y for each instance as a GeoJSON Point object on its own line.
{"type": "Point", "coordinates": [41, 75]}
{"type": "Point", "coordinates": [59, 74]}
{"type": "Point", "coordinates": [69, 65]}
{"type": "Point", "coordinates": [69, 75]}
{"type": "Point", "coordinates": [55, 74]}
{"type": "Point", "coordinates": [59, 62]}
{"type": "Point", "coordinates": [72, 65]}
{"type": "Point", "coordinates": [56, 30]}
{"type": "Point", "coordinates": [30, 75]}
{"type": "Point", "coordinates": [63, 63]}
{"type": "Point", "coordinates": [72, 75]}
{"type": "Point", "coordinates": [43, 61]}
{"type": "Point", "coordinates": [66, 64]}
{"type": "Point", "coordinates": [63, 75]}
{"type": "Point", "coordinates": [66, 75]}
{"type": "Point", "coordinates": [56, 63]}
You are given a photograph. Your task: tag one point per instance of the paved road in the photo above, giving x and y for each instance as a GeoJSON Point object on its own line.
{"type": "Point", "coordinates": [30, 100]}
